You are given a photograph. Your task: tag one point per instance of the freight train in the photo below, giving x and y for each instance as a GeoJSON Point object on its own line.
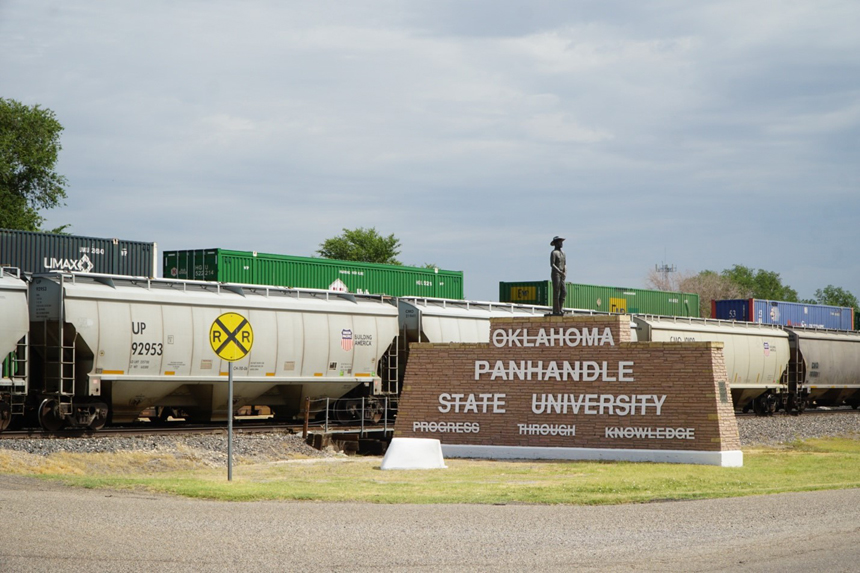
{"type": "Point", "coordinates": [83, 350]}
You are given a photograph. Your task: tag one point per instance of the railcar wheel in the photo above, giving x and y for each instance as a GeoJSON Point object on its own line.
{"type": "Point", "coordinates": [5, 415]}
{"type": "Point", "coordinates": [197, 416]}
{"type": "Point", "coordinates": [764, 405]}
{"type": "Point", "coordinates": [161, 416]}
{"type": "Point", "coordinates": [49, 416]}
{"type": "Point", "coordinates": [346, 411]}
{"type": "Point", "coordinates": [757, 407]}
{"type": "Point", "coordinates": [795, 404]}
{"type": "Point", "coordinates": [349, 410]}
{"type": "Point", "coordinates": [100, 420]}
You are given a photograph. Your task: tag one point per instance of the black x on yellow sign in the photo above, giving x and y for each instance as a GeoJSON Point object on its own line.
{"type": "Point", "coordinates": [231, 336]}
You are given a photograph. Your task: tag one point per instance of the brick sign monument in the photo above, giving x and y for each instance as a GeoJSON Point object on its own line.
{"type": "Point", "coordinates": [571, 388]}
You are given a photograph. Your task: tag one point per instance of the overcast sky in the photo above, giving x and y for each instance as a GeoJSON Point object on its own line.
{"type": "Point", "coordinates": [699, 134]}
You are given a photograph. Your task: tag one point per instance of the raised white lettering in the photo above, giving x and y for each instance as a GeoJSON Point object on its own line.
{"type": "Point", "coordinates": [630, 433]}
{"type": "Point", "coordinates": [472, 403]}
{"type": "Point", "coordinates": [540, 371]}
{"type": "Point", "coordinates": [598, 404]}
{"type": "Point", "coordinates": [447, 427]}
{"type": "Point", "coordinates": [546, 430]}
{"type": "Point", "coordinates": [521, 338]}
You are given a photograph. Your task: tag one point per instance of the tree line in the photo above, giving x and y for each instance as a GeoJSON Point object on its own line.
{"type": "Point", "coordinates": [744, 282]}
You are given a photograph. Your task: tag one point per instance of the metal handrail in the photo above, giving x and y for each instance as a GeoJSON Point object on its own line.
{"type": "Point", "coordinates": [330, 425]}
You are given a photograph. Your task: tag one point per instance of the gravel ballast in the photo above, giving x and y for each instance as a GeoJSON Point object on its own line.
{"type": "Point", "coordinates": [211, 448]}
{"type": "Point", "coordinates": [781, 429]}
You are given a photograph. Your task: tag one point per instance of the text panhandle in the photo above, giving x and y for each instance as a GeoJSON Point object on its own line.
{"type": "Point", "coordinates": [545, 371]}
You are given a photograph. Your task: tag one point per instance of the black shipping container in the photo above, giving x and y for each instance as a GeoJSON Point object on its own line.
{"type": "Point", "coordinates": [43, 252]}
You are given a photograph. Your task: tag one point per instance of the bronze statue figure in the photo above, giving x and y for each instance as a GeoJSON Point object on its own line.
{"type": "Point", "coordinates": [559, 274]}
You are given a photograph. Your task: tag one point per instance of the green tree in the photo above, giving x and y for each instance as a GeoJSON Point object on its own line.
{"type": "Point", "coordinates": [29, 145]}
{"type": "Point", "coordinates": [736, 282]}
{"type": "Point", "coordinates": [710, 286]}
{"type": "Point", "coordinates": [835, 296]}
{"type": "Point", "coordinates": [760, 283]}
{"type": "Point", "coordinates": [365, 245]}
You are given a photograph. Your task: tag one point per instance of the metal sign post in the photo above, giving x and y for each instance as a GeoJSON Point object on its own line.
{"type": "Point", "coordinates": [231, 338]}
{"type": "Point", "coordinates": [230, 423]}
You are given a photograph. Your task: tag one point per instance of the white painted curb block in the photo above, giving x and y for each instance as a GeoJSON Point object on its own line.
{"type": "Point", "coordinates": [413, 454]}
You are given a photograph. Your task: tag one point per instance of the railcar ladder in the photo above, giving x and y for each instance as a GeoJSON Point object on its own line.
{"type": "Point", "coordinates": [392, 381]}
{"type": "Point", "coordinates": [15, 370]}
{"type": "Point", "coordinates": [59, 359]}
{"type": "Point", "coordinates": [796, 369]}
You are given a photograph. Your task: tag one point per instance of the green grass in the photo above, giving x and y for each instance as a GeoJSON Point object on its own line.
{"type": "Point", "coordinates": [804, 466]}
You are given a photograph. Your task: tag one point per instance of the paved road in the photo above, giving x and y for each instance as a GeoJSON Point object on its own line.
{"type": "Point", "coordinates": [48, 527]}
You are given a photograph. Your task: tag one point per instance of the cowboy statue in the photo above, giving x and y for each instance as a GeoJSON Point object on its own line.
{"type": "Point", "coordinates": [559, 274]}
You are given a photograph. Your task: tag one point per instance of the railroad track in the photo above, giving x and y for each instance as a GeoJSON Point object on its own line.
{"type": "Point", "coordinates": [264, 427]}
{"type": "Point", "coordinates": [842, 410]}
{"type": "Point", "coordinates": [179, 429]}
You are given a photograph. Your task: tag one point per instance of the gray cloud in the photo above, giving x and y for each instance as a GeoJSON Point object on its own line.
{"type": "Point", "coordinates": [707, 135]}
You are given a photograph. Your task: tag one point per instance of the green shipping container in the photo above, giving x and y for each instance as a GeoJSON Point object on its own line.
{"type": "Point", "coordinates": [609, 299]}
{"type": "Point", "coordinates": [249, 267]}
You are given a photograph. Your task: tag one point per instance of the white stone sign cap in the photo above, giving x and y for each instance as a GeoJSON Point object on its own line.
{"type": "Point", "coordinates": [413, 454]}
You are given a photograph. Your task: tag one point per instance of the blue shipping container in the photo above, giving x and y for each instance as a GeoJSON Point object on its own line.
{"type": "Point", "coordinates": [784, 313]}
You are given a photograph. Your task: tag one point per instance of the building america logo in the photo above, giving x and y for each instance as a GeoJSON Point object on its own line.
{"type": "Point", "coordinates": [346, 339]}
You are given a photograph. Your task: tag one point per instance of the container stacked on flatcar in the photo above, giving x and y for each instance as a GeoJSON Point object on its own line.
{"type": "Point", "coordinates": [44, 252]}
{"type": "Point", "coordinates": [784, 313]}
{"type": "Point", "coordinates": [250, 267]}
{"type": "Point", "coordinates": [603, 298]}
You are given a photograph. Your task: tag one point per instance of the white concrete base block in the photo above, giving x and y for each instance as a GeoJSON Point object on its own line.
{"type": "Point", "coordinates": [413, 454]}
{"type": "Point", "coordinates": [728, 459]}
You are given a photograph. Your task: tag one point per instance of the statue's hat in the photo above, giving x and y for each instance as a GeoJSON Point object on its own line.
{"type": "Point", "coordinates": [556, 239]}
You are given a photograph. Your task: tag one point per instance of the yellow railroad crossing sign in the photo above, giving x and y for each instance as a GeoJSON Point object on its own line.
{"type": "Point", "coordinates": [231, 336]}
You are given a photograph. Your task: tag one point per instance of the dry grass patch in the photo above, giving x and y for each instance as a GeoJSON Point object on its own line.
{"type": "Point", "coordinates": [814, 464]}
{"type": "Point", "coordinates": [94, 464]}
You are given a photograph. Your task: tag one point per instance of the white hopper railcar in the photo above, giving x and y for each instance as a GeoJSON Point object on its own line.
{"type": "Point", "coordinates": [14, 324]}
{"type": "Point", "coordinates": [119, 345]}
{"type": "Point", "coordinates": [825, 366]}
{"type": "Point", "coordinates": [443, 320]}
{"type": "Point", "coordinates": [756, 355]}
